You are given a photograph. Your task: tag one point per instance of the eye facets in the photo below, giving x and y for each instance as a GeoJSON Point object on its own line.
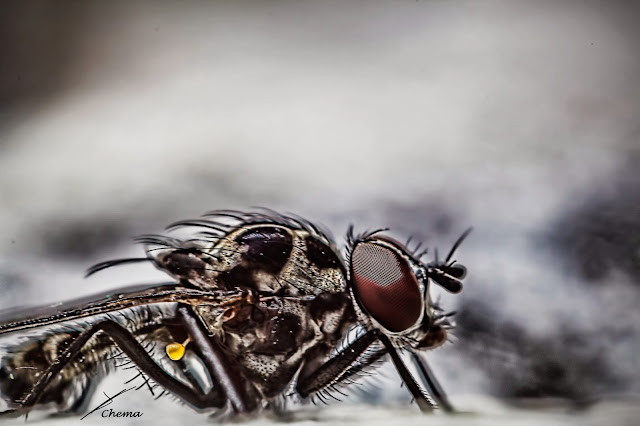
{"type": "Point", "coordinates": [385, 286]}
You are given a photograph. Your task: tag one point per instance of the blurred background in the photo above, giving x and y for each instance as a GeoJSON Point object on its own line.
{"type": "Point", "coordinates": [520, 119]}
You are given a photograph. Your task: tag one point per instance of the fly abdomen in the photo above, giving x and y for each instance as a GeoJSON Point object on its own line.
{"type": "Point", "coordinates": [27, 360]}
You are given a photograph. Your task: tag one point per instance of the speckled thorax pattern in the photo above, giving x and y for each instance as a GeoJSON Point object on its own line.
{"type": "Point", "coordinates": [270, 340]}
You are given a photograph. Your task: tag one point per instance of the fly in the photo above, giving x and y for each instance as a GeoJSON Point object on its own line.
{"type": "Point", "coordinates": [261, 307]}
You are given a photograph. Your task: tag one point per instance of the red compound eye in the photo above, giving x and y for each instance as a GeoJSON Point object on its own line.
{"type": "Point", "coordinates": [385, 286]}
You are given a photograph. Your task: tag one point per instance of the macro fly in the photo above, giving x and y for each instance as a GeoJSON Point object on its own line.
{"type": "Point", "coordinates": [261, 308]}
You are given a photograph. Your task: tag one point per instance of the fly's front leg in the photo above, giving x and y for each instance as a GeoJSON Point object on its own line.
{"type": "Point", "coordinates": [340, 367]}
{"type": "Point", "coordinates": [434, 387]}
{"type": "Point", "coordinates": [335, 369]}
{"type": "Point", "coordinates": [132, 348]}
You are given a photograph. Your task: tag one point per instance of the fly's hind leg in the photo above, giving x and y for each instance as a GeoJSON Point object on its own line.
{"type": "Point", "coordinates": [215, 398]}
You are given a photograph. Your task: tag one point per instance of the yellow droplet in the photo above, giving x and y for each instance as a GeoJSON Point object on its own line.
{"type": "Point", "coordinates": [175, 351]}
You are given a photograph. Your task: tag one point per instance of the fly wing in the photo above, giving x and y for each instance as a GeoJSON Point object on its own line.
{"type": "Point", "coordinates": [115, 300]}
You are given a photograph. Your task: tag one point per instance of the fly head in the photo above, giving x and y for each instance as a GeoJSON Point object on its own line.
{"type": "Point", "coordinates": [390, 288]}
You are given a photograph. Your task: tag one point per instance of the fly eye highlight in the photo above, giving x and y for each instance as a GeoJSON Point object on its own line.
{"type": "Point", "coordinates": [385, 286]}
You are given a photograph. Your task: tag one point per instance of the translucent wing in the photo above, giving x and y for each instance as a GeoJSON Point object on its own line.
{"type": "Point", "coordinates": [115, 300]}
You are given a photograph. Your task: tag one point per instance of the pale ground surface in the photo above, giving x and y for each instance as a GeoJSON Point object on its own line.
{"type": "Point", "coordinates": [474, 410]}
{"type": "Point", "coordinates": [395, 409]}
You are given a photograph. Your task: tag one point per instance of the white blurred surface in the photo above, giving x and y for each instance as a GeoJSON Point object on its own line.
{"type": "Point", "coordinates": [499, 115]}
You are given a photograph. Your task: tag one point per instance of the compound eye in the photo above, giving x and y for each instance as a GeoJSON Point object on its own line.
{"type": "Point", "coordinates": [385, 286]}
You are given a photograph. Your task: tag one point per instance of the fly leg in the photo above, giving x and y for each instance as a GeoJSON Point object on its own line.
{"type": "Point", "coordinates": [434, 387]}
{"type": "Point", "coordinates": [132, 348]}
{"type": "Point", "coordinates": [341, 367]}
{"type": "Point", "coordinates": [222, 371]}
